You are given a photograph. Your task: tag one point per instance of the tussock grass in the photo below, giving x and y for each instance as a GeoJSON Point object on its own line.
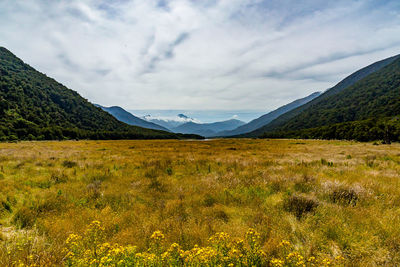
{"type": "Point", "coordinates": [327, 198]}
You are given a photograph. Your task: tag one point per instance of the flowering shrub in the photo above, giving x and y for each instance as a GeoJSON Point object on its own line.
{"type": "Point", "coordinates": [223, 250]}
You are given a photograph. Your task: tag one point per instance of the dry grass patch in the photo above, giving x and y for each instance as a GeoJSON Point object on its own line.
{"type": "Point", "coordinates": [327, 198]}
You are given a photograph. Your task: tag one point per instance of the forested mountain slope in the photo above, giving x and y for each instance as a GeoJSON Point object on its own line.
{"type": "Point", "coordinates": [288, 118]}
{"type": "Point", "coordinates": [267, 118]}
{"type": "Point", "coordinates": [367, 110]}
{"type": "Point", "coordinates": [34, 106]}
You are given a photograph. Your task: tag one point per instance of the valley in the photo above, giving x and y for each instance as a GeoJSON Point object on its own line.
{"type": "Point", "coordinates": [186, 133]}
{"type": "Point", "coordinates": [331, 201]}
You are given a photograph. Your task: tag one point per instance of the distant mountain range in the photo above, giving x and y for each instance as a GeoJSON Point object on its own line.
{"type": "Point", "coordinates": [170, 122]}
{"type": "Point", "coordinates": [364, 106]}
{"type": "Point", "coordinates": [34, 106]}
{"type": "Point", "coordinates": [125, 116]}
{"type": "Point", "coordinates": [267, 118]}
{"type": "Point", "coordinates": [179, 124]}
{"type": "Point", "coordinates": [207, 129]}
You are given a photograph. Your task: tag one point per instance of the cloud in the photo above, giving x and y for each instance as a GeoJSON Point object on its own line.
{"type": "Point", "coordinates": [168, 53]}
{"type": "Point", "coordinates": [212, 54]}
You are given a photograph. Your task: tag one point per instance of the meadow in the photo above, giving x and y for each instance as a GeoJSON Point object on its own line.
{"type": "Point", "coordinates": [293, 202]}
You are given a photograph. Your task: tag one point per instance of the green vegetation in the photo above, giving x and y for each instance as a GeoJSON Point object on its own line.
{"type": "Point", "coordinates": [376, 96]}
{"type": "Point", "coordinates": [267, 118]}
{"type": "Point", "coordinates": [384, 129]}
{"type": "Point", "coordinates": [370, 94]}
{"type": "Point", "coordinates": [36, 107]}
{"type": "Point", "coordinates": [323, 200]}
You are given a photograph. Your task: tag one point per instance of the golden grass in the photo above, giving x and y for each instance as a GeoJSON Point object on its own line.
{"type": "Point", "coordinates": [328, 198]}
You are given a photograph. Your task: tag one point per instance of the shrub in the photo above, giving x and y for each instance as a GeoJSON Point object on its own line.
{"type": "Point", "coordinates": [69, 164]}
{"type": "Point", "coordinates": [12, 138]}
{"type": "Point", "coordinates": [221, 215]}
{"type": "Point", "coordinates": [5, 206]}
{"type": "Point", "coordinates": [24, 218]}
{"type": "Point", "coordinates": [326, 163]}
{"type": "Point", "coordinates": [156, 184]}
{"type": "Point", "coordinates": [300, 205]}
{"type": "Point", "coordinates": [209, 200]}
{"type": "Point", "coordinates": [344, 196]}
{"type": "Point", "coordinates": [277, 186]}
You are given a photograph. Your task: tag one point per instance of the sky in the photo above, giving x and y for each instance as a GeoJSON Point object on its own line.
{"type": "Point", "coordinates": [199, 54]}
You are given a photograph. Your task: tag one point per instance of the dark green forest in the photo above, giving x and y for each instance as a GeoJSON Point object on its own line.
{"type": "Point", "coordinates": [385, 129]}
{"type": "Point", "coordinates": [36, 107]}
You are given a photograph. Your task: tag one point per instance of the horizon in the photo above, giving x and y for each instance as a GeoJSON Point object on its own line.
{"type": "Point", "coordinates": [201, 116]}
{"type": "Point", "coordinates": [157, 55]}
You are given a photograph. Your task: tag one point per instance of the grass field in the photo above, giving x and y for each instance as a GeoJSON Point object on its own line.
{"type": "Point", "coordinates": [328, 199]}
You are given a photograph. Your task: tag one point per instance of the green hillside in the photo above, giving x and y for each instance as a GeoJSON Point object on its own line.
{"type": "Point", "coordinates": [289, 118]}
{"type": "Point", "coordinates": [36, 107]}
{"type": "Point", "coordinates": [267, 118]}
{"type": "Point", "coordinates": [366, 110]}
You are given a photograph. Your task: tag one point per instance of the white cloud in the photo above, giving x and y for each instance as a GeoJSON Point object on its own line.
{"type": "Point", "coordinates": [186, 54]}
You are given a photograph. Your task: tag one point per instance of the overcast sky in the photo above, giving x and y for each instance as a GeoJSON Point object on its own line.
{"type": "Point", "coordinates": [199, 54]}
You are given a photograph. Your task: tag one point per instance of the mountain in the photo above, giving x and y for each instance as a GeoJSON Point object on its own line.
{"type": "Point", "coordinates": [34, 106]}
{"type": "Point", "coordinates": [207, 129]}
{"type": "Point", "coordinates": [170, 122]}
{"type": "Point", "coordinates": [183, 116]}
{"type": "Point", "coordinates": [369, 109]}
{"type": "Point", "coordinates": [288, 120]}
{"type": "Point", "coordinates": [124, 116]}
{"type": "Point", "coordinates": [267, 118]}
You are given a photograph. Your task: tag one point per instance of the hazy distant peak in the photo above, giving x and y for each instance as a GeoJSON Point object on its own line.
{"type": "Point", "coordinates": [127, 117]}
{"type": "Point", "coordinates": [183, 116]}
